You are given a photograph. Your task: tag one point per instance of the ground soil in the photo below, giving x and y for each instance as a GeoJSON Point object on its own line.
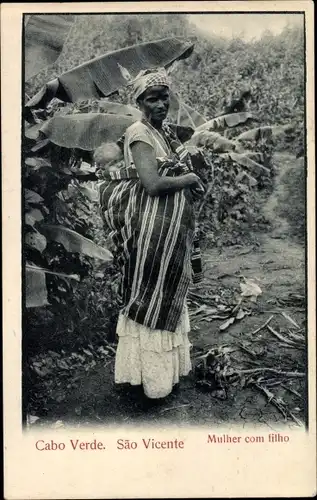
{"type": "Point", "coordinates": [277, 262]}
{"type": "Point", "coordinates": [279, 267]}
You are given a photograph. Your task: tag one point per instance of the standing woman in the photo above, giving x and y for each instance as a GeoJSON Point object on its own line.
{"type": "Point", "coordinates": [148, 206]}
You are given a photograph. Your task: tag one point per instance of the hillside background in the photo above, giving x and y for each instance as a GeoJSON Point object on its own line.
{"type": "Point", "coordinates": [272, 66]}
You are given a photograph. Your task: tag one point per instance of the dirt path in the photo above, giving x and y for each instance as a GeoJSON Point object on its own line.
{"type": "Point", "coordinates": [278, 265]}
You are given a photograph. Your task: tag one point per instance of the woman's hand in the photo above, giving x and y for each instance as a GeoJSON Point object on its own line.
{"type": "Point", "coordinates": [196, 186]}
{"type": "Point", "coordinates": [147, 166]}
{"type": "Point", "coordinates": [193, 181]}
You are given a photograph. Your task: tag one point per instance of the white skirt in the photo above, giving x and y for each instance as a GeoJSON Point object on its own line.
{"type": "Point", "coordinates": [154, 358]}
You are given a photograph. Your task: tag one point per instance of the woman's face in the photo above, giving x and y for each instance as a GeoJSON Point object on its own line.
{"type": "Point", "coordinates": [154, 103]}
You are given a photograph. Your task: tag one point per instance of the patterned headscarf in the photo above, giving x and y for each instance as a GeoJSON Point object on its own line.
{"type": "Point", "coordinates": [149, 78]}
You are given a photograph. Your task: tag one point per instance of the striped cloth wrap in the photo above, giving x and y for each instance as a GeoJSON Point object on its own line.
{"type": "Point", "coordinates": [154, 240]}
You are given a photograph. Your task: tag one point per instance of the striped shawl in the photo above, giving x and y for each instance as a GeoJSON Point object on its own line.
{"type": "Point", "coordinates": [154, 241]}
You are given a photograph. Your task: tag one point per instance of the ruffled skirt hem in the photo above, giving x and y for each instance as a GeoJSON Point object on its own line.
{"type": "Point", "coordinates": [154, 358]}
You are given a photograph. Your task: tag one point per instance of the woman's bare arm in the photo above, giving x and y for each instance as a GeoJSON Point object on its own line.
{"type": "Point", "coordinates": [146, 165]}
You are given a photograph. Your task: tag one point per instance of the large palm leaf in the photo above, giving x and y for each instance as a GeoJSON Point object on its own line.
{"type": "Point", "coordinates": [184, 114]}
{"type": "Point", "coordinates": [214, 141]}
{"type": "Point", "coordinates": [244, 160]}
{"type": "Point", "coordinates": [44, 39]}
{"type": "Point", "coordinates": [116, 108]}
{"type": "Point", "coordinates": [35, 284]}
{"type": "Point", "coordinates": [227, 121]}
{"type": "Point", "coordinates": [267, 132]}
{"type": "Point", "coordinates": [104, 75]}
{"type": "Point", "coordinates": [74, 242]}
{"type": "Point", "coordinates": [87, 131]}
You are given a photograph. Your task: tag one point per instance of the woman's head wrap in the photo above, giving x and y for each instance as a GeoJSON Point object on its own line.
{"type": "Point", "coordinates": [149, 78]}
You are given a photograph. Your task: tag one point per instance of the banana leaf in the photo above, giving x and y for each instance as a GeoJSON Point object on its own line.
{"type": "Point", "coordinates": [74, 242]}
{"type": "Point", "coordinates": [104, 106]}
{"type": "Point", "coordinates": [186, 117]}
{"type": "Point", "coordinates": [242, 176]}
{"type": "Point", "coordinates": [104, 75]}
{"type": "Point", "coordinates": [35, 290]}
{"type": "Point", "coordinates": [35, 287]}
{"type": "Point", "coordinates": [37, 162]}
{"type": "Point", "coordinates": [32, 132]}
{"type": "Point", "coordinates": [244, 161]}
{"type": "Point", "coordinates": [183, 114]}
{"type": "Point", "coordinates": [254, 155]}
{"type": "Point", "coordinates": [227, 121]}
{"type": "Point", "coordinates": [179, 112]}
{"type": "Point", "coordinates": [35, 240]}
{"type": "Point", "coordinates": [31, 197]}
{"type": "Point", "coordinates": [183, 133]}
{"type": "Point", "coordinates": [44, 39]}
{"type": "Point", "coordinates": [214, 141]}
{"type": "Point", "coordinates": [116, 108]}
{"type": "Point", "coordinates": [40, 146]}
{"type": "Point", "coordinates": [87, 131]}
{"type": "Point", "coordinates": [266, 132]}
{"type": "Point", "coordinates": [32, 216]}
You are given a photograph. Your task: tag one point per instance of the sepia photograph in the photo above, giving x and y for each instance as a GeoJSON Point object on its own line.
{"type": "Point", "coordinates": [158, 176]}
{"type": "Point", "coordinates": [164, 220]}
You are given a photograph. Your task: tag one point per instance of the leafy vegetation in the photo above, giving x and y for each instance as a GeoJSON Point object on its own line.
{"type": "Point", "coordinates": [70, 283]}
